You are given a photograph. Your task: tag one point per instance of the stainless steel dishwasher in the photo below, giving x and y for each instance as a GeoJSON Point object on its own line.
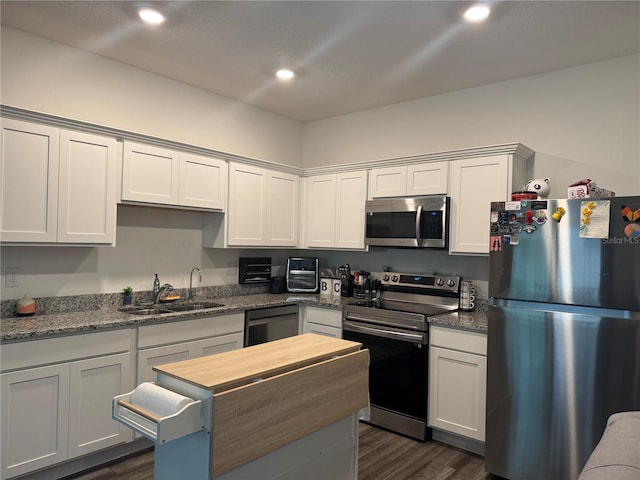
{"type": "Point", "coordinates": [266, 324]}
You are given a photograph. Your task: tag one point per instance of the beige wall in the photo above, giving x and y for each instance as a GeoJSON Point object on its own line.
{"type": "Point", "coordinates": [51, 78]}
{"type": "Point", "coordinates": [581, 122]}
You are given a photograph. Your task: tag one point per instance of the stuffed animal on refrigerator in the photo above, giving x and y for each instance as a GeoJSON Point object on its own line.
{"type": "Point", "coordinates": [541, 186]}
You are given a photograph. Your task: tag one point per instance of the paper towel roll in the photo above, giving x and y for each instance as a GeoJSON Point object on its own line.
{"type": "Point", "coordinates": [157, 400]}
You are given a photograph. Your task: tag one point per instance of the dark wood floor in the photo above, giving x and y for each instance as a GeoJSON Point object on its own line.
{"type": "Point", "coordinates": [382, 456]}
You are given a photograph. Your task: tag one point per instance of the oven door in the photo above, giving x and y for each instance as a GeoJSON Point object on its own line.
{"type": "Point", "coordinates": [398, 381]}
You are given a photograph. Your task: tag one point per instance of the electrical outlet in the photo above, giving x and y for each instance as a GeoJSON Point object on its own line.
{"type": "Point", "coordinates": [12, 277]}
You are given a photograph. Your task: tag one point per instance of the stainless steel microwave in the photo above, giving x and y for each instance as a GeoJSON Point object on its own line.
{"type": "Point", "coordinates": [419, 222]}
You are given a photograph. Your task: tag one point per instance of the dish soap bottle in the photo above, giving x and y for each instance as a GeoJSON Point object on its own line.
{"type": "Point", "coordinates": [156, 288]}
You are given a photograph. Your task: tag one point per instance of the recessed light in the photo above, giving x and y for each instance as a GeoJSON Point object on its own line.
{"type": "Point", "coordinates": [477, 13]}
{"type": "Point", "coordinates": [285, 74]}
{"type": "Point", "coordinates": [151, 16]}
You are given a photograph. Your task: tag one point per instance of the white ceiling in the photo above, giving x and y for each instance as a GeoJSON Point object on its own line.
{"type": "Point", "coordinates": [354, 55]}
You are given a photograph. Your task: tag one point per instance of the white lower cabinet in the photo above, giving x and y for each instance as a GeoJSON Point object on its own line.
{"type": "Point", "coordinates": [457, 381]}
{"type": "Point", "coordinates": [35, 404]}
{"type": "Point", "coordinates": [62, 410]}
{"type": "Point", "coordinates": [94, 383]}
{"type": "Point", "coordinates": [323, 321]}
{"type": "Point", "coordinates": [173, 342]}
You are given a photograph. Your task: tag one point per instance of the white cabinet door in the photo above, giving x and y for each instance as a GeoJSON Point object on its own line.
{"type": "Point", "coordinates": [427, 178]}
{"type": "Point", "coordinates": [203, 182]}
{"type": "Point", "coordinates": [150, 174]}
{"type": "Point", "coordinates": [94, 383]}
{"type": "Point", "coordinates": [282, 209]}
{"type": "Point", "coordinates": [35, 415]}
{"type": "Point", "coordinates": [475, 183]}
{"type": "Point", "coordinates": [150, 357]}
{"type": "Point", "coordinates": [388, 182]}
{"type": "Point", "coordinates": [87, 188]}
{"type": "Point", "coordinates": [246, 218]}
{"type": "Point", "coordinates": [457, 392]}
{"type": "Point", "coordinates": [320, 207]}
{"type": "Point", "coordinates": [223, 343]}
{"type": "Point", "coordinates": [351, 195]}
{"type": "Point", "coordinates": [323, 321]}
{"type": "Point", "coordinates": [322, 330]}
{"type": "Point", "coordinates": [29, 176]}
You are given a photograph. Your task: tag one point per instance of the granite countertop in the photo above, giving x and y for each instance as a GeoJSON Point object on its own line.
{"type": "Point", "coordinates": [86, 321]}
{"type": "Point", "coordinates": [474, 321]}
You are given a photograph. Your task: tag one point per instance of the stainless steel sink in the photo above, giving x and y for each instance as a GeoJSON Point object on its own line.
{"type": "Point", "coordinates": [146, 311]}
{"type": "Point", "coordinates": [192, 306]}
{"type": "Point", "coordinates": [170, 308]}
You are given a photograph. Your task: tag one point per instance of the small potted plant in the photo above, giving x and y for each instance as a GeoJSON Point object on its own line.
{"type": "Point", "coordinates": [127, 291]}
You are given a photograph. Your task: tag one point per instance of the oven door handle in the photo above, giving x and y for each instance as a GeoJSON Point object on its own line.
{"type": "Point", "coordinates": [381, 332]}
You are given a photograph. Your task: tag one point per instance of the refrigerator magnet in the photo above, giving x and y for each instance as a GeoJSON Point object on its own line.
{"type": "Point", "coordinates": [514, 239]}
{"type": "Point", "coordinates": [530, 228]}
{"type": "Point", "coordinates": [495, 243]}
{"type": "Point", "coordinates": [540, 217]}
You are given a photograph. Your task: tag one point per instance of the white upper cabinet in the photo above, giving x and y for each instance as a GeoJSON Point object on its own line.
{"type": "Point", "coordinates": [282, 209]}
{"type": "Point", "coordinates": [475, 183]}
{"type": "Point", "coordinates": [58, 186]}
{"type": "Point", "coordinates": [263, 207]}
{"type": "Point", "coordinates": [334, 210]}
{"type": "Point", "coordinates": [203, 182]}
{"type": "Point", "coordinates": [246, 218]}
{"type": "Point", "coordinates": [320, 207]}
{"type": "Point", "coordinates": [150, 174]}
{"type": "Point", "coordinates": [167, 177]}
{"type": "Point", "coordinates": [87, 188]}
{"type": "Point", "coordinates": [30, 156]}
{"type": "Point", "coordinates": [417, 179]}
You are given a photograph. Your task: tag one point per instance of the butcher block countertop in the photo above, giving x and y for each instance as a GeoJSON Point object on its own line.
{"type": "Point", "coordinates": [240, 367]}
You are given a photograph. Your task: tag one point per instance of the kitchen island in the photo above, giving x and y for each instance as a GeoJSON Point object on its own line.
{"type": "Point", "coordinates": [287, 408]}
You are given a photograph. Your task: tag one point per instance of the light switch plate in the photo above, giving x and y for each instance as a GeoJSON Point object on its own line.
{"type": "Point", "coordinates": [12, 277]}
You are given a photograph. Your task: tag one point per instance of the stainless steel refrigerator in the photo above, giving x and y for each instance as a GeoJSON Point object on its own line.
{"type": "Point", "coordinates": [564, 331]}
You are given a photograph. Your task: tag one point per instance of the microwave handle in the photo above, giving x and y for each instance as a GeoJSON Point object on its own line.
{"type": "Point", "coordinates": [418, 221]}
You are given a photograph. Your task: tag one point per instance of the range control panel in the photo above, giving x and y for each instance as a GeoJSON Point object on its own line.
{"type": "Point", "coordinates": [438, 282]}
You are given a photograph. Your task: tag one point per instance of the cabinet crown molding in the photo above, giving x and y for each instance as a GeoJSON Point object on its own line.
{"type": "Point", "coordinates": [514, 148]}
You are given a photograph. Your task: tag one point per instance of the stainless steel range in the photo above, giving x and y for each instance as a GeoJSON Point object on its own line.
{"type": "Point", "coordinates": [395, 329]}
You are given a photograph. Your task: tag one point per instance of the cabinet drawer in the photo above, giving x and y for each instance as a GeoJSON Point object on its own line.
{"type": "Point", "coordinates": [64, 349]}
{"type": "Point", "coordinates": [186, 330]}
{"type": "Point", "coordinates": [324, 316]}
{"type": "Point", "coordinates": [462, 340]}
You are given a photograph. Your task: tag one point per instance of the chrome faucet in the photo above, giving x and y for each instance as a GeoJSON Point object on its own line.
{"type": "Point", "coordinates": [164, 288]}
{"type": "Point", "coordinates": [190, 294]}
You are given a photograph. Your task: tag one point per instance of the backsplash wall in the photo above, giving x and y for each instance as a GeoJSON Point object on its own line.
{"type": "Point", "coordinates": [169, 242]}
